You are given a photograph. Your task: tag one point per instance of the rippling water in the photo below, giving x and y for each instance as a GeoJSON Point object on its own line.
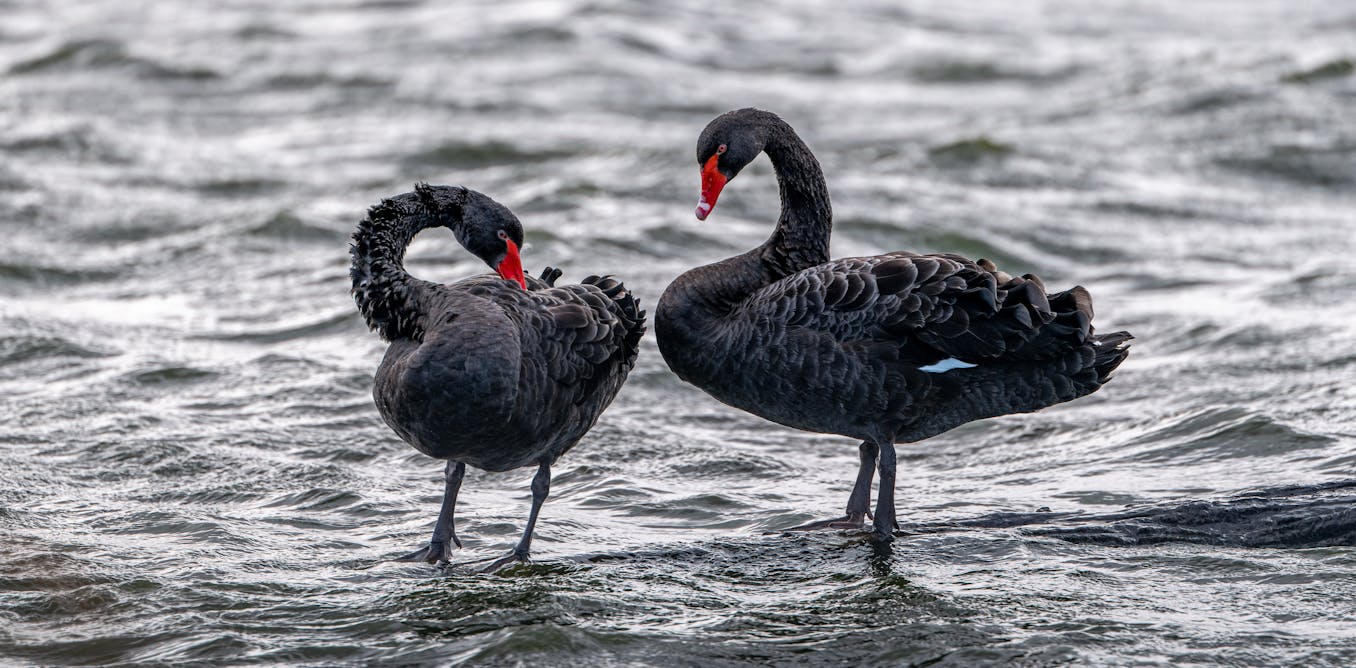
{"type": "Point", "coordinates": [194, 470]}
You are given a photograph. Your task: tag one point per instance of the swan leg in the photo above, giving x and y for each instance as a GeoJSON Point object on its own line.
{"type": "Point", "coordinates": [444, 532]}
{"type": "Point", "coordinates": [859, 502]}
{"type": "Point", "coordinates": [858, 506]}
{"type": "Point", "coordinates": [541, 486]}
{"type": "Point", "coordinates": [885, 524]}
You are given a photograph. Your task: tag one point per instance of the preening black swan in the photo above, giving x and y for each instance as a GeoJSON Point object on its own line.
{"type": "Point", "coordinates": [887, 349]}
{"type": "Point", "coordinates": [495, 372]}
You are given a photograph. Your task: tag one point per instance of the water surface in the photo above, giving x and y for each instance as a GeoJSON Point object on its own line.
{"type": "Point", "coordinates": [194, 471]}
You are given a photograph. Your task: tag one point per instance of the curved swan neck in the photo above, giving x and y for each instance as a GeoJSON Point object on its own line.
{"type": "Point", "coordinates": [801, 239]}
{"type": "Point", "coordinates": [703, 296]}
{"type": "Point", "coordinates": [387, 296]}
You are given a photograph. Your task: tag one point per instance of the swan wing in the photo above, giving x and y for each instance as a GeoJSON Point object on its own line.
{"type": "Point", "coordinates": [583, 335]}
{"type": "Point", "coordinates": [936, 307]}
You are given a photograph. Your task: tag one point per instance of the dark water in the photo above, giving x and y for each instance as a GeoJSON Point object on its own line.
{"type": "Point", "coordinates": [193, 471]}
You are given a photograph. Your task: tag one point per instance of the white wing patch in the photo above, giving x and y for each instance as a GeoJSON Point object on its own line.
{"type": "Point", "coordinates": [946, 365]}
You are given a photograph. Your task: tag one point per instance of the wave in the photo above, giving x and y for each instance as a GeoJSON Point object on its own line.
{"type": "Point", "coordinates": [105, 53]}
{"type": "Point", "coordinates": [15, 349]}
{"type": "Point", "coordinates": [969, 151]}
{"type": "Point", "coordinates": [466, 155]}
{"type": "Point", "coordinates": [1333, 69]}
{"type": "Point", "coordinates": [48, 275]}
{"type": "Point", "coordinates": [171, 375]}
{"type": "Point", "coordinates": [335, 322]}
{"type": "Point", "coordinates": [81, 141]}
{"type": "Point", "coordinates": [1291, 517]}
{"type": "Point", "coordinates": [981, 71]}
{"type": "Point", "coordinates": [1326, 166]}
{"type": "Point", "coordinates": [286, 225]}
{"type": "Point", "coordinates": [1224, 433]}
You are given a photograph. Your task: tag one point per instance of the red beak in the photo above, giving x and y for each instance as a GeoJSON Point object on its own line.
{"type": "Point", "coordinates": [511, 267]}
{"type": "Point", "coordinates": [712, 183]}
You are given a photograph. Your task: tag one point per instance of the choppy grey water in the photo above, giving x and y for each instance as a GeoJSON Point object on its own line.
{"type": "Point", "coordinates": [193, 470]}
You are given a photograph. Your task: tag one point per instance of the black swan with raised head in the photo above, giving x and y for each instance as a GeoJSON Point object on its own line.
{"type": "Point", "coordinates": [495, 372]}
{"type": "Point", "coordinates": [887, 349]}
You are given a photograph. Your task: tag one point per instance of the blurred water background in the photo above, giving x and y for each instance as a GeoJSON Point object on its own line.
{"type": "Point", "coordinates": [193, 470]}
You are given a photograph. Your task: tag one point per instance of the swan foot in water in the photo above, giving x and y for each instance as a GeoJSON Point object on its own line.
{"type": "Point", "coordinates": [439, 549]}
{"type": "Point", "coordinates": [492, 564]}
{"type": "Point", "coordinates": [884, 535]}
{"type": "Point", "coordinates": [541, 486]}
{"type": "Point", "coordinates": [435, 552]}
{"type": "Point", "coordinates": [849, 521]}
{"type": "Point", "coordinates": [885, 525]}
{"type": "Point", "coordinates": [858, 503]}
{"type": "Point", "coordinates": [513, 557]}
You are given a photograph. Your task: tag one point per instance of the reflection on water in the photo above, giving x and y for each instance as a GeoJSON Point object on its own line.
{"type": "Point", "coordinates": [195, 473]}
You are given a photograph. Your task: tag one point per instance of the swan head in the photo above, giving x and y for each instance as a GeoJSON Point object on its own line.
{"type": "Point", "coordinates": [727, 145]}
{"type": "Point", "coordinates": [492, 233]}
{"type": "Point", "coordinates": [483, 226]}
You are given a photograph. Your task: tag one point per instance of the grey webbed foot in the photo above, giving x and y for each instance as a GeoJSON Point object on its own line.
{"type": "Point", "coordinates": [885, 524]}
{"type": "Point", "coordinates": [850, 521]}
{"type": "Point", "coordinates": [541, 486]}
{"type": "Point", "coordinates": [435, 552]}
{"type": "Point", "coordinates": [513, 557]}
{"type": "Point", "coordinates": [493, 564]}
{"type": "Point", "coordinates": [439, 549]}
{"type": "Point", "coordinates": [884, 527]}
{"type": "Point", "coordinates": [859, 502]}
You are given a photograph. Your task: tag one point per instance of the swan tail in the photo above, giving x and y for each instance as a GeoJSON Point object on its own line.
{"type": "Point", "coordinates": [626, 307]}
{"type": "Point", "coordinates": [1111, 350]}
{"type": "Point", "coordinates": [950, 399]}
{"type": "Point", "coordinates": [1058, 323]}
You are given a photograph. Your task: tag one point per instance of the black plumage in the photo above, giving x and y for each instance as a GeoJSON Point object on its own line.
{"type": "Point", "coordinates": [888, 349]}
{"type": "Point", "coordinates": [486, 372]}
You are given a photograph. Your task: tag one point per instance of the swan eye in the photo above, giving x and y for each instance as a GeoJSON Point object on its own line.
{"type": "Point", "coordinates": [503, 236]}
{"type": "Point", "coordinates": [721, 149]}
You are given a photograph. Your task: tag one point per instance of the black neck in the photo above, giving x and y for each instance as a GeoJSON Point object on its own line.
{"type": "Point", "coordinates": [801, 239]}
{"type": "Point", "coordinates": [387, 296]}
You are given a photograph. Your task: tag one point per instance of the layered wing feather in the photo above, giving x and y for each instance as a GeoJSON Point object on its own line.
{"type": "Point", "coordinates": [578, 339]}
{"type": "Point", "coordinates": [933, 306]}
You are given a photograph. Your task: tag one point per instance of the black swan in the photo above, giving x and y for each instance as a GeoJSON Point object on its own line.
{"type": "Point", "coordinates": [495, 372]}
{"type": "Point", "coordinates": [888, 349]}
